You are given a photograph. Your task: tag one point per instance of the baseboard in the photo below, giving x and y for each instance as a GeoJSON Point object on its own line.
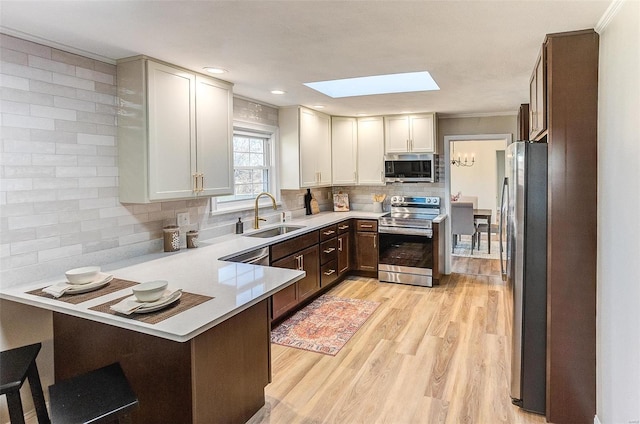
{"type": "Point", "coordinates": [596, 420]}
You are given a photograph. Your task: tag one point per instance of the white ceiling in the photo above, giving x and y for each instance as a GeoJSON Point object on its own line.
{"type": "Point", "coordinates": [481, 53]}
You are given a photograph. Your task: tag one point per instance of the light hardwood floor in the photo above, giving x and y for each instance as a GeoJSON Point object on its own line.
{"type": "Point", "coordinates": [427, 355]}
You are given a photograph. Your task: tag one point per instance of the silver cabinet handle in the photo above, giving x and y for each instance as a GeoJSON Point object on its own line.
{"type": "Point", "coordinates": [328, 233]}
{"type": "Point", "coordinates": [300, 263]}
{"type": "Point", "coordinates": [366, 225]}
{"type": "Point", "coordinates": [340, 244]}
{"type": "Point", "coordinates": [343, 227]}
{"type": "Point", "coordinates": [374, 241]}
{"type": "Point", "coordinates": [195, 182]}
{"type": "Point", "coordinates": [331, 271]}
{"type": "Point", "coordinates": [329, 250]}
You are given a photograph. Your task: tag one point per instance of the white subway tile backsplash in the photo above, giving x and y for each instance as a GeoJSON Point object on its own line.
{"type": "Point", "coordinates": [15, 159]}
{"type": "Point", "coordinates": [20, 146]}
{"type": "Point", "coordinates": [16, 184]}
{"type": "Point", "coordinates": [71, 81]}
{"type": "Point", "coordinates": [30, 196]}
{"type": "Point", "coordinates": [53, 112]}
{"type": "Point", "coordinates": [96, 140]}
{"type": "Point", "coordinates": [12, 81]}
{"type": "Point", "coordinates": [75, 104]}
{"type": "Point", "coordinates": [97, 182]}
{"type": "Point", "coordinates": [50, 65]}
{"type": "Point", "coordinates": [59, 189]}
{"type": "Point", "coordinates": [34, 245]}
{"type": "Point", "coordinates": [54, 160]}
{"type": "Point", "coordinates": [96, 76]}
{"type": "Point", "coordinates": [26, 72]}
{"type": "Point", "coordinates": [60, 252]}
{"type": "Point", "coordinates": [54, 183]}
{"type": "Point", "coordinates": [15, 108]}
{"type": "Point", "coordinates": [77, 193]}
{"type": "Point", "coordinates": [29, 171]}
{"type": "Point", "coordinates": [32, 221]}
{"type": "Point", "coordinates": [21, 121]}
{"type": "Point", "coordinates": [75, 171]}
{"type": "Point", "coordinates": [58, 230]}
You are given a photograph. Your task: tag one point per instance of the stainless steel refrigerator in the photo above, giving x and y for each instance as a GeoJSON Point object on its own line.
{"type": "Point", "coordinates": [523, 259]}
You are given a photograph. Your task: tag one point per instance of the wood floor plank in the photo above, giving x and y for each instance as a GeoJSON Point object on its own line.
{"type": "Point", "coordinates": [426, 355]}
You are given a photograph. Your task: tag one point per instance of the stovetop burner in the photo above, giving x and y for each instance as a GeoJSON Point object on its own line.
{"type": "Point", "coordinates": [411, 212]}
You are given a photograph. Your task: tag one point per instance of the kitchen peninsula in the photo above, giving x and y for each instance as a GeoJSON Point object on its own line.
{"type": "Point", "coordinates": [210, 362]}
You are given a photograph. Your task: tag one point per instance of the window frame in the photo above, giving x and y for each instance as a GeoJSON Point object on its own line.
{"type": "Point", "coordinates": [270, 133]}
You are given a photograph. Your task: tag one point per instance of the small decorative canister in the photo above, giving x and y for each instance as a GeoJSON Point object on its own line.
{"type": "Point", "coordinates": [192, 239]}
{"type": "Point", "coordinates": [171, 238]}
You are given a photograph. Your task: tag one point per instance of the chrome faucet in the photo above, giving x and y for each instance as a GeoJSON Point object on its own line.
{"type": "Point", "coordinates": [257, 219]}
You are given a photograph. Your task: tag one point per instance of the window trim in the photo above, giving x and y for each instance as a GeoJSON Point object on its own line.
{"type": "Point", "coordinates": [271, 133]}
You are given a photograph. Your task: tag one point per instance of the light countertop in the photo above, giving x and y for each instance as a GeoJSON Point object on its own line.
{"type": "Point", "coordinates": [233, 286]}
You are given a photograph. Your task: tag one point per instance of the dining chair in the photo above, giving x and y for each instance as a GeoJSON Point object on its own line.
{"type": "Point", "coordinates": [462, 223]}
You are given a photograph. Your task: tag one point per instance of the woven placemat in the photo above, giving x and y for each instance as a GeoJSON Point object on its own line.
{"type": "Point", "coordinates": [113, 286]}
{"type": "Point", "coordinates": [186, 301]}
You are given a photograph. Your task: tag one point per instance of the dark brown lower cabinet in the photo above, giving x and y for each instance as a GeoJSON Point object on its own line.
{"type": "Point", "coordinates": [344, 253]}
{"type": "Point", "coordinates": [367, 251]}
{"type": "Point", "coordinates": [287, 298]}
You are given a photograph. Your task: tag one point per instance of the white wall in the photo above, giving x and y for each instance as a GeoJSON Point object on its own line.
{"type": "Point", "coordinates": [618, 308]}
{"type": "Point", "coordinates": [480, 179]}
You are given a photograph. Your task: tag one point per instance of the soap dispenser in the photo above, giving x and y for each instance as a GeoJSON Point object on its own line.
{"type": "Point", "coordinates": [239, 226]}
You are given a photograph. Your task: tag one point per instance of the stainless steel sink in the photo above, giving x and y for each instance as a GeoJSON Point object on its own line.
{"type": "Point", "coordinates": [274, 231]}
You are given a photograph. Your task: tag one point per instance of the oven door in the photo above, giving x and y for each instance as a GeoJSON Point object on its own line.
{"type": "Point", "coordinates": [405, 258]}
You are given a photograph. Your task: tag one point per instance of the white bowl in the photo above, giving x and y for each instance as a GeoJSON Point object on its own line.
{"type": "Point", "coordinates": [82, 275]}
{"type": "Point", "coordinates": [150, 291]}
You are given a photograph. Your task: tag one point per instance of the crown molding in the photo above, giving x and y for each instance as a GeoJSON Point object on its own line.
{"type": "Point", "coordinates": [608, 15]}
{"type": "Point", "coordinates": [53, 44]}
{"type": "Point", "coordinates": [476, 115]}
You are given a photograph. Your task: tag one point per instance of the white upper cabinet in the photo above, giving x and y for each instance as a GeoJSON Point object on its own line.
{"type": "Point", "coordinates": [410, 133]}
{"type": "Point", "coordinates": [358, 150]}
{"type": "Point", "coordinates": [305, 148]}
{"type": "Point", "coordinates": [174, 133]}
{"type": "Point", "coordinates": [371, 151]}
{"type": "Point", "coordinates": [344, 147]}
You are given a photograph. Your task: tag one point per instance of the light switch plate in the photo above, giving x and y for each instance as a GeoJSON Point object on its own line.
{"type": "Point", "coordinates": [183, 219]}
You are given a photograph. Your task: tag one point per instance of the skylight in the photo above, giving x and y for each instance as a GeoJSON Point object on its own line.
{"type": "Point", "coordinates": [376, 84]}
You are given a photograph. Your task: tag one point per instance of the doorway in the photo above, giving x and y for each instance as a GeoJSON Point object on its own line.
{"type": "Point", "coordinates": [488, 197]}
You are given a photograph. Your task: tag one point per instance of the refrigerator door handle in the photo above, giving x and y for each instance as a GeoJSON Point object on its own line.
{"type": "Point", "coordinates": [503, 211]}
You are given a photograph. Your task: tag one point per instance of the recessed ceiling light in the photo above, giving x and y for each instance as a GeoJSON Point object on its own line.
{"type": "Point", "coordinates": [376, 84]}
{"type": "Point", "coordinates": [215, 70]}
{"type": "Point", "coordinates": [361, 114]}
{"type": "Point", "coordinates": [277, 92]}
{"type": "Point", "coordinates": [318, 106]}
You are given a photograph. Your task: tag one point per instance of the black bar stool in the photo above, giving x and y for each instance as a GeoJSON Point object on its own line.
{"type": "Point", "coordinates": [16, 365]}
{"type": "Point", "coordinates": [100, 396]}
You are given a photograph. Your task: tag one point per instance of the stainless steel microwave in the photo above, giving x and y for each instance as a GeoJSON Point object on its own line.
{"type": "Point", "coordinates": [411, 168]}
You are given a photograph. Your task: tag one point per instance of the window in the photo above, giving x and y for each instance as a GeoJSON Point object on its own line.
{"type": "Point", "coordinates": [253, 154]}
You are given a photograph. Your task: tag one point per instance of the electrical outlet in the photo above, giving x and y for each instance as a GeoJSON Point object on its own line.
{"type": "Point", "coordinates": [183, 219]}
{"type": "Point", "coordinates": [300, 200]}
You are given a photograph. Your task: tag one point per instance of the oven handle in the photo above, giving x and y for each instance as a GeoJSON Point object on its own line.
{"type": "Point", "coordinates": [406, 230]}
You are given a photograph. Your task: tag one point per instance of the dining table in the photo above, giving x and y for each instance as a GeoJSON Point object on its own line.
{"type": "Point", "coordinates": [484, 214]}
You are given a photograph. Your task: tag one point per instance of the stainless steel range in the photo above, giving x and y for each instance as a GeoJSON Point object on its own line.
{"type": "Point", "coordinates": [406, 240]}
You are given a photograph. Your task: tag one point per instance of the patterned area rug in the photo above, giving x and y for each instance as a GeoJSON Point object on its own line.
{"type": "Point", "coordinates": [325, 325]}
{"type": "Point", "coordinates": [463, 248]}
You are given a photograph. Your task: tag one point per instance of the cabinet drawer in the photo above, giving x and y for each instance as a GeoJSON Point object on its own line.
{"type": "Point", "coordinates": [328, 250]}
{"type": "Point", "coordinates": [366, 225]}
{"type": "Point", "coordinates": [344, 227]}
{"type": "Point", "coordinates": [328, 273]}
{"type": "Point", "coordinates": [288, 247]}
{"type": "Point", "coordinates": [328, 232]}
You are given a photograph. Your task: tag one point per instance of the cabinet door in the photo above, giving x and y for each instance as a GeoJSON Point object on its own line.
{"type": "Point", "coordinates": [396, 134]}
{"type": "Point", "coordinates": [315, 148]}
{"type": "Point", "coordinates": [367, 251]}
{"type": "Point", "coordinates": [214, 134]}
{"type": "Point", "coordinates": [344, 148]}
{"type": "Point", "coordinates": [344, 253]}
{"type": "Point", "coordinates": [311, 264]}
{"type": "Point", "coordinates": [423, 133]}
{"type": "Point", "coordinates": [537, 99]}
{"type": "Point", "coordinates": [287, 298]}
{"type": "Point", "coordinates": [323, 151]}
{"type": "Point", "coordinates": [370, 151]}
{"type": "Point", "coordinates": [309, 139]}
{"type": "Point", "coordinates": [171, 120]}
